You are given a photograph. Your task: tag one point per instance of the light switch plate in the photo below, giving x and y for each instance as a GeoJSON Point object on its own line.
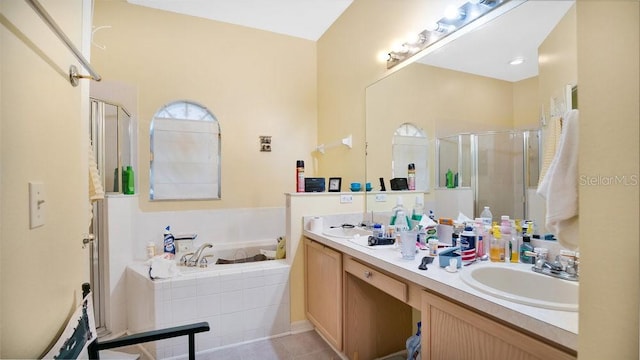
{"type": "Point", "coordinates": [36, 204]}
{"type": "Point", "coordinates": [346, 199]}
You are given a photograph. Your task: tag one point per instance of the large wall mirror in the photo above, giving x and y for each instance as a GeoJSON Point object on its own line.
{"type": "Point", "coordinates": [185, 153]}
{"type": "Point", "coordinates": [466, 86]}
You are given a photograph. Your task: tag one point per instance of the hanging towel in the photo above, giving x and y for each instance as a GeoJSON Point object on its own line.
{"type": "Point", "coordinates": [96, 191]}
{"type": "Point", "coordinates": [551, 144]}
{"type": "Point", "coordinates": [559, 186]}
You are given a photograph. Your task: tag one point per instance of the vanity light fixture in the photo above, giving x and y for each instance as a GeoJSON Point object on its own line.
{"type": "Point", "coordinates": [466, 16]}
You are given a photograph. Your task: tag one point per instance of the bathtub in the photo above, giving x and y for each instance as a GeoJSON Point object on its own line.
{"type": "Point", "coordinates": [241, 302]}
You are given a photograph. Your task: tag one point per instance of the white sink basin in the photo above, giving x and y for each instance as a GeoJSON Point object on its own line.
{"type": "Point", "coordinates": [523, 286]}
{"type": "Point", "coordinates": [346, 233]}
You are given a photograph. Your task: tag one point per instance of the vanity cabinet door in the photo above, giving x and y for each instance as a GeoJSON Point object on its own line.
{"type": "Point", "coordinates": [323, 290]}
{"type": "Point", "coordinates": [450, 331]}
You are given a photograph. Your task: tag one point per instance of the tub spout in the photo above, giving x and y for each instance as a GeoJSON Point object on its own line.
{"type": "Point", "coordinates": [195, 258]}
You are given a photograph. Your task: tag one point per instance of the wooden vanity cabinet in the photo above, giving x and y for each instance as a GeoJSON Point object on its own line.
{"type": "Point", "coordinates": [450, 331]}
{"type": "Point", "coordinates": [377, 319]}
{"type": "Point", "coordinates": [323, 290]}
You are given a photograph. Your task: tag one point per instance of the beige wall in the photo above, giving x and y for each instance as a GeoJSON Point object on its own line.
{"type": "Point", "coordinates": [526, 110]}
{"type": "Point", "coordinates": [558, 59]}
{"type": "Point", "coordinates": [348, 63]}
{"type": "Point", "coordinates": [608, 82]}
{"type": "Point", "coordinates": [255, 82]}
{"type": "Point", "coordinates": [43, 138]}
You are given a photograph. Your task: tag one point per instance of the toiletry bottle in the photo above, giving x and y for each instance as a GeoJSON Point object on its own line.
{"type": "Point", "coordinates": [449, 179]}
{"type": "Point", "coordinates": [127, 181]}
{"type": "Point", "coordinates": [300, 176]}
{"type": "Point", "coordinates": [479, 231]}
{"type": "Point", "coordinates": [497, 246]}
{"type": "Point", "coordinates": [487, 217]}
{"type": "Point", "coordinates": [516, 237]}
{"type": "Point", "coordinates": [526, 246]}
{"type": "Point", "coordinates": [505, 230]}
{"type": "Point", "coordinates": [418, 209]}
{"type": "Point", "coordinates": [169, 243]}
{"type": "Point", "coordinates": [151, 249]}
{"type": "Point", "coordinates": [411, 176]}
{"type": "Point", "coordinates": [394, 212]}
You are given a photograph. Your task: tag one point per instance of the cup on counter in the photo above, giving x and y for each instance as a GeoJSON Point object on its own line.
{"type": "Point", "coordinates": [355, 186]}
{"type": "Point", "coordinates": [408, 244]}
{"type": "Point", "coordinates": [368, 186]}
{"type": "Point", "coordinates": [453, 264]}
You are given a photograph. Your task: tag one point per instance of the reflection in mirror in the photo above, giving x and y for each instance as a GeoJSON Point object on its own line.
{"type": "Point", "coordinates": [468, 87]}
{"type": "Point", "coordinates": [185, 153]}
{"type": "Point", "coordinates": [409, 146]}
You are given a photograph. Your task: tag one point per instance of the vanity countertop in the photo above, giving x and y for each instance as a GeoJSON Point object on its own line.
{"type": "Point", "coordinates": [557, 326]}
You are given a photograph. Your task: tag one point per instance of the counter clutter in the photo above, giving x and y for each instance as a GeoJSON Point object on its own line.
{"type": "Point", "coordinates": [560, 327]}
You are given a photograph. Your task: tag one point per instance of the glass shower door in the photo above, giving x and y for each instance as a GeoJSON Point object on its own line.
{"type": "Point", "coordinates": [500, 174]}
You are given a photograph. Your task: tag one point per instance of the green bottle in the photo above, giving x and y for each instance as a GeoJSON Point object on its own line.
{"type": "Point", "coordinates": [449, 178]}
{"type": "Point", "coordinates": [127, 181]}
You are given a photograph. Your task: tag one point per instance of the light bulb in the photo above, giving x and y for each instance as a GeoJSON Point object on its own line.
{"type": "Point", "coordinates": [453, 13]}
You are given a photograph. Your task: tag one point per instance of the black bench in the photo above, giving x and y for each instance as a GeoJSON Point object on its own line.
{"type": "Point", "coordinates": [147, 336]}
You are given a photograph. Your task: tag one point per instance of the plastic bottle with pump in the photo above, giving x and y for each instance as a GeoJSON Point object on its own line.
{"type": "Point", "coordinates": [395, 213]}
{"type": "Point", "coordinates": [505, 230]}
{"type": "Point", "coordinates": [496, 253]}
{"type": "Point", "coordinates": [418, 209]}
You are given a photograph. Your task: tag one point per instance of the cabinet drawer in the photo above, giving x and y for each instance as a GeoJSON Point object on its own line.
{"type": "Point", "coordinates": [389, 285]}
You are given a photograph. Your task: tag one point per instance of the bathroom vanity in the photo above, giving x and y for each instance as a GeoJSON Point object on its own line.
{"type": "Point", "coordinates": [361, 299]}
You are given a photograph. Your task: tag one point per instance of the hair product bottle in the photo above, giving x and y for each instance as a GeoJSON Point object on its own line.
{"type": "Point", "coordinates": [300, 176]}
{"type": "Point", "coordinates": [411, 176]}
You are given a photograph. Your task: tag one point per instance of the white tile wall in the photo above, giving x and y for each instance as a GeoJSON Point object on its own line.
{"type": "Point", "coordinates": [241, 302]}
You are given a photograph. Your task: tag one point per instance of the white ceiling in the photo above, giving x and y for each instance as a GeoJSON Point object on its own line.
{"type": "Point", "coordinates": [486, 51]}
{"type": "Point", "coordinates": [307, 19]}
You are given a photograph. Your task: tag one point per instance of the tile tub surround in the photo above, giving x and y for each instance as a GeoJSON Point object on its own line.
{"type": "Point", "coordinates": [241, 302]}
{"type": "Point", "coordinates": [556, 326]}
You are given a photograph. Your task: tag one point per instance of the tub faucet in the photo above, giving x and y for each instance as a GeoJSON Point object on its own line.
{"type": "Point", "coordinates": [195, 258]}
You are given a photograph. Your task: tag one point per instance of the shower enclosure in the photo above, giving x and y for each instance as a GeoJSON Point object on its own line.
{"type": "Point", "coordinates": [110, 133]}
{"type": "Point", "coordinates": [501, 168]}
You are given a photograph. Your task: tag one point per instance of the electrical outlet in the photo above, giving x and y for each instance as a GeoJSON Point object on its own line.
{"type": "Point", "coordinates": [381, 197]}
{"type": "Point", "coordinates": [346, 199]}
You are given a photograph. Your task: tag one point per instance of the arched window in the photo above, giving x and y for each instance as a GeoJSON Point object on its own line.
{"type": "Point", "coordinates": [410, 147]}
{"type": "Point", "coordinates": [185, 153]}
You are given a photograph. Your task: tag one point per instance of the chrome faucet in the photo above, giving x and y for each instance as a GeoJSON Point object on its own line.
{"type": "Point", "coordinates": [554, 269]}
{"type": "Point", "coordinates": [194, 260]}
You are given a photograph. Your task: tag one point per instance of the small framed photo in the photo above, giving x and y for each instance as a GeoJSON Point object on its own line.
{"type": "Point", "coordinates": [335, 184]}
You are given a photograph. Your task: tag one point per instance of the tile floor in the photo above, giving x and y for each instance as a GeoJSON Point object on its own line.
{"type": "Point", "coordinates": [302, 346]}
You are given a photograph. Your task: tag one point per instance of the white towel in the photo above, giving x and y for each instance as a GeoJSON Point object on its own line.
{"type": "Point", "coordinates": [560, 185]}
{"type": "Point", "coordinates": [551, 144]}
{"type": "Point", "coordinates": [162, 268]}
{"type": "Point", "coordinates": [96, 191]}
